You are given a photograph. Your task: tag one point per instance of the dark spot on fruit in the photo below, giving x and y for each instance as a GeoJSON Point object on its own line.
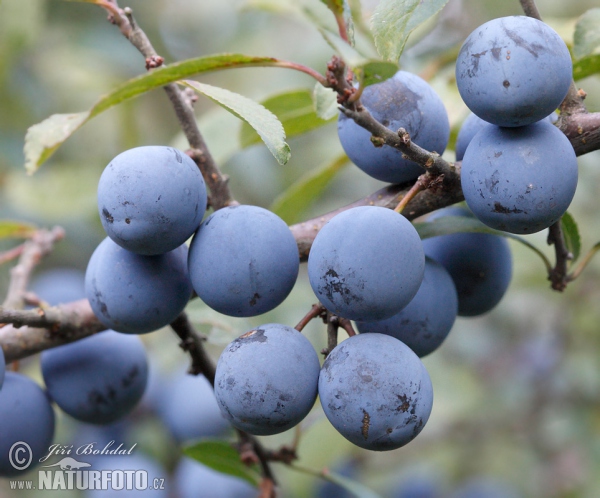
{"type": "Point", "coordinates": [130, 377]}
{"type": "Point", "coordinates": [506, 83]}
{"type": "Point", "coordinates": [496, 51]}
{"type": "Point", "coordinates": [365, 424]}
{"type": "Point", "coordinates": [499, 208]}
{"type": "Point", "coordinates": [254, 299]}
{"type": "Point", "coordinates": [107, 216]}
{"type": "Point", "coordinates": [404, 403]}
{"type": "Point", "coordinates": [127, 220]}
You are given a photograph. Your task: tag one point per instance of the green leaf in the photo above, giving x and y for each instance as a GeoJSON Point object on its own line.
{"type": "Point", "coordinates": [264, 122]}
{"type": "Point", "coordinates": [586, 66]}
{"type": "Point", "coordinates": [372, 72]}
{"type": "Point", "coordinates": [16, 229]}
{"type": "Point", "coordinates": [447, 225]}
{"type": "Point", "coordinates": [42, 139]}
{"type": "Point", "coordinates": [294, 109]}
{"type": "Point", "coordinates": [586, 39]}
{"type": "Point", "coordinates": [222, 457]}
{"type": "Point", "coordinates": [325, 102]}
{"type": "Point", "coordinates": [367, 71]}
{"type": "Point", "coordinates": [571, 235]}
{"type": "Point", "coordinates": [394, 20]}
{"type": "Point", "coordinates": [292, 203]}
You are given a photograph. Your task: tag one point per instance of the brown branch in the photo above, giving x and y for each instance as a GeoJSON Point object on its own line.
{"type": "Point", "coordinates": [191, 342]}
{"type": "Point", "coordinates": [317, 310]}
{"type": "Point", "coordinates": [217, 182]}
{"type": "Point", "coordinates": [558, 276]}
{"type": "Point", "coordinates": [530, 9]}
{"type": "Point", "coordinates": [33, 331]}
{"type": "Point", "coordinates": [40, 244]}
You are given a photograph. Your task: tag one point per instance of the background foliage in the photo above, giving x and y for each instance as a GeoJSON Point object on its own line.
{"type": "Point", "coordinates": [517, 392]}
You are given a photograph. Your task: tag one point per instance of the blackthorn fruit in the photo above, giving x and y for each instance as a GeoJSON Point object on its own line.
{"type": "Point", "coordinates": [403, 101]}
{"type": "Point", "coordinates": [480, 265]}
{"type": "Point", "coordinates": [426, 321]}
{"type": "Point", "coordinates": [195, 480]}
{"type": "Point", "coordinates": [26, 416]}
{"type": "Point", "coordinates": [59, 285]}
{"type": "Point", "coordinates": [98, 379]}
{"type": "Point", "coordinates": [471, 125]}
{"type": "Point", "coordinates": [366, 263]}
{"type": "Point", "coordinates": [519, 180]}
{"type": "Point", "coordinates": [375, 391]}
{"type": "Point", "coordinates": [2, 367]}
{"type": "Point", "coordinates": [189, 409]}
{"type": "Point", "coordinates": [513, 71]}
{"type": "Point", "coordinates": [266, 380]}
{"type": "Point", "coordinates": [243, 261]}
{"type": "Point", "coordinates": [151, 199]}
{"type": "Point", "coordinates": [137, 294]}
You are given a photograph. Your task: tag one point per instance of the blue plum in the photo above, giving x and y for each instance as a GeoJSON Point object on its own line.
{"type": "Point", "coordinates": [99, 379]}
{"type": "Point", "coordinates": [243, 261]}
{"type": "Point", "coordinates": [189, 409]}
{"type": "Point", "coordinates": [375, 391]}
{"type": "Point", "coordinates": [129, 475]}
{"type": "Point", "coordinates": [266, 380]}
{"type": "Point", "coordinates": [403, 101]}
{"type": "Point", "coordinates": [480, 265]}
{"type": "Point", "coordinates": [426, 321]}
{"type": "Point", "coordinates": [485, 487]}
{"type": "Point", "coordinates": [2, 367]}
{"type": "Point", "coordinates": [137, 294]}
{"type": "Point", "coordinates": [519, 180]}
{"type": "Point", "coordinates": [513, 71]}
{"type": "Point", "coordinates": [151, 199]}
{"type": "Point", "coordinates": [471, 125]}
{"type": "Point", "coordinates": [27, 418]}
{"type": "Point", "coordinates": [195, 480]}
{"type": "Point", "coordinates": [366, 263]}
{"type": "Point", "coordinates": [59, 285]}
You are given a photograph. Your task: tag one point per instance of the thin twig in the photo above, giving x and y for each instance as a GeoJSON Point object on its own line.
{"type": "Point", "coordinates": [530, 9]}
{"type": "Point", "coordinates": [192, 343]}
{"type": "Point", "coordinates": [40, 244]}
{"type": "Point", "coordinates": [558, 275]}
{"type": "Point", "coordinates": [317, 310]}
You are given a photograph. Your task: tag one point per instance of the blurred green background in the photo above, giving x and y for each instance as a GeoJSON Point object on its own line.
{"type": "Point", "coordinates": [517, 391]}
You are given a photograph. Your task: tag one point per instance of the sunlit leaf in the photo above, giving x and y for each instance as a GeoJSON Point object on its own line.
{"type": "Point", "coordinates": [586, 66]}
{"type": "Point", "coordinates": [325, 102]}
{"type": "Point", "coordinates": [571, 234]}
{"type": "Point", "coordinates": [373, 72]}
{"type": "Point", "coordinates": [366, 70]}
{"type": "Point", "coordinates": [16, 229]}
{"type": "Point", "coordinates": [394, 20]}
{"type": "Point", "coordinates": [263, 121]}
{"type": "Point", "coordinates": [295, 110]}
{"type": "Point", "coordinates": [44, 138]}
{"type": "Point", "coordinates": [222, 457]}
{"type": "Point", "coordinates": [586, 39]}
{"type": "Point", "coordinates": [292, 203]}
